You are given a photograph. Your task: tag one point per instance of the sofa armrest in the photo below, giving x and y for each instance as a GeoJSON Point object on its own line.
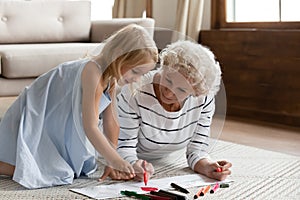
{"type": "Point", "coordinates": [102, 29]}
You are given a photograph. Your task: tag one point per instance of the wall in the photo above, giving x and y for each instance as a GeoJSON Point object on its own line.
{"type": "Point", "coordinates": [260, 72]}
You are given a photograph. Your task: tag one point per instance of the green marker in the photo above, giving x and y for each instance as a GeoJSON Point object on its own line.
{"type": "Point", "coordinates": [224, 185]}
{"type": "Point", "coordinates": [134, 194]}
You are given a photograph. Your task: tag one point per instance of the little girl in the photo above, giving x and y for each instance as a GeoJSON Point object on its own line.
{"type": "Point", "coordinates": [50, 134]}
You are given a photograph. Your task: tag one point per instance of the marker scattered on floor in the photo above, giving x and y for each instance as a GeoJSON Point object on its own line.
{"type": "Point", "coordinates": [224, 185]}
{"type": "Point", "coordinates": [205, 190]}
{"type": "Point", "coordinates": [213, 190]}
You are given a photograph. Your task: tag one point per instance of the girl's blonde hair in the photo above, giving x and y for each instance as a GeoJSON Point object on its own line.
{"type": "Point", "coordinates": [195, 62]}
{"type": "Point", "coordinates": [131, 45]}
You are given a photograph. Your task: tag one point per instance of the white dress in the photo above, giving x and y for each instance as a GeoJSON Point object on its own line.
{"type": "Point", "coordinates": [42, 134]}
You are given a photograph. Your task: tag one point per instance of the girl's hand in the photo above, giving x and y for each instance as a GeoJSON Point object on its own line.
{"type": "Point", "coordinates": [204, 166]}
{"type": "Point", "coordinates": [106, 173]}
{"type": "Point", "coordinates": [123, 167]}
{"type": "Point", "coordinates": [140, 166]}
{"type": "Point", "coordinates": [114, 174]}
{"type": "Point", "coordinates": [119, 169]}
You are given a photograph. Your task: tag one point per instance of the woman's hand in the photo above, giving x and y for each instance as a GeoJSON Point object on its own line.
{"type": "Point", "coordinates": [205, 167]}
{"type": "Point", "coordinates": [140, 166]}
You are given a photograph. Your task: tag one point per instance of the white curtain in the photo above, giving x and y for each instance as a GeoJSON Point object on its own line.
{"type": "Point", "coordinates": [129, 8]}
{"type": "Point", "coordinates": [189, 18]}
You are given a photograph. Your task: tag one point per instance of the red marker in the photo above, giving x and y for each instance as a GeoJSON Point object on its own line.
{"type": "Point", "coordinates": [149, 189]}
{"type": "Point", "coordinates": [145, 173]}
{"type": "Point", "coordinates": [219, 169]}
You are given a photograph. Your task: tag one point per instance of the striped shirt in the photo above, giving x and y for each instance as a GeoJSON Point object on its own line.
{"type": "Point", "coordinates": [148, 131]}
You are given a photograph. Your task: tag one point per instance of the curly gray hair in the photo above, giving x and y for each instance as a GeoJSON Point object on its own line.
{"type": "Point", "coordinates": [196, 62]}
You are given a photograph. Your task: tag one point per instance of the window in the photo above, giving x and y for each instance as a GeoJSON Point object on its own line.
{"type": "Point", "coordinates": [256, 14]}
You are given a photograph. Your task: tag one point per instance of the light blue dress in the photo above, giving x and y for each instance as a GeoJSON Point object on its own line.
{"type": "Point", "coordinates": [42, 134]}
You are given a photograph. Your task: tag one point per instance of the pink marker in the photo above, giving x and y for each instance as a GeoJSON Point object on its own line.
{"type": "Point", "coordinates": [213, 190]}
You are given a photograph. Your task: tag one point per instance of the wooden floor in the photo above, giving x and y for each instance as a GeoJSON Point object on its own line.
{"type": "Point", "coordinates": [263, 135]}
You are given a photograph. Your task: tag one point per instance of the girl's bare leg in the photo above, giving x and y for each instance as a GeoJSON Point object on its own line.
{"type": "Point", "coordinates": [6, 169]}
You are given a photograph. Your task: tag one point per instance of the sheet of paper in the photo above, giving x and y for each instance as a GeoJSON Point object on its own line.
{"type": "Point", "coordinates": [113, 190]}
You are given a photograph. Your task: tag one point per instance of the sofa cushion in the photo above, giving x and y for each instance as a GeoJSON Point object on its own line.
{"type": "Point", "coordinates": [102, 29]}
{"type": "Point", "coordinates": [13, 87]}
{"type": "Point", "coordinates": [44, 21]}
{"type": "Point", "coordinates": [32, 60]}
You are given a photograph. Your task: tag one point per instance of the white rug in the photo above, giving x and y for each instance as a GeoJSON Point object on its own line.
{"type": "Point", "coordinates": [257, 174]}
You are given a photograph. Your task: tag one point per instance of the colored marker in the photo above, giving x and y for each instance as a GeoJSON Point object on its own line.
{"type": "Point", "coordinates": [213, 190]}
{"type": "Point", "coordinates": [205, 190]}
{"type": "Point", "coordinates": [198, 193]}
{"type": "Point", "coordinates": [145, 172]}
{"type": "Point", "coordinates": [155, 197]}
{"type": "Point", "coordinates": [224, 185]}
{"type": "Point", "coordinates": [219, 169]}
{"type": "Point", "coordinates": [149, 189]}
{"type": "Point", "coordinates": [177, 196]}
{"type": "Point", "coordinates": [134, 194]}
{"type": "Point", "coordinates": [172, 197]}
{"type": "Point", "coordinates": [179, 188]}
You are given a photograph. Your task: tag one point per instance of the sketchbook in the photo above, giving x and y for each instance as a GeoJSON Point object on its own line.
{"type": "Point", "coordinates": [113, 190]}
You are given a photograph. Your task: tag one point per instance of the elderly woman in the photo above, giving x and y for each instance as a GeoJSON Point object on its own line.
{"type": "Point", "coordinates": [172, 110]}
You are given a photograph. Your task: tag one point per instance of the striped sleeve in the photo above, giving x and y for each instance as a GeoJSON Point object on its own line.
{"type": "Point", "coordinates": [129, 125]}
{"type": "Point", "coordinates": [198, 146]}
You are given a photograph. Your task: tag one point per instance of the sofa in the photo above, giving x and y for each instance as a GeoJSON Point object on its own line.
{"type": "Point", "coordinates": [36, 36]}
